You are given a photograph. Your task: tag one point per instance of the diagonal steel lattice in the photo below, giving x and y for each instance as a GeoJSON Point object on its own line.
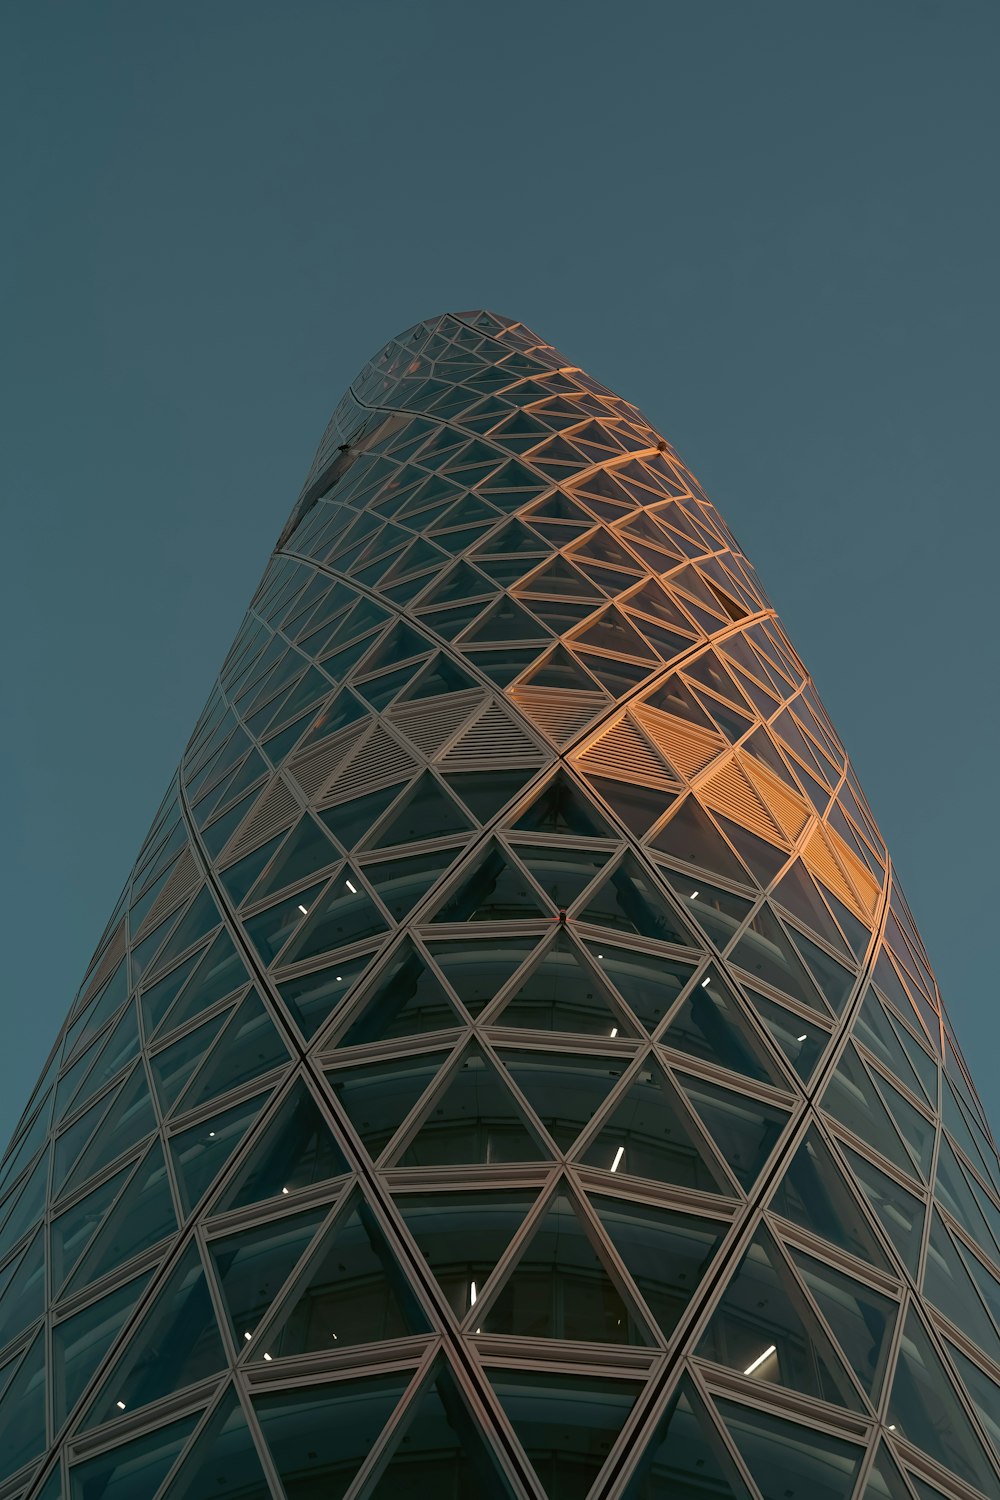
{"type": "Point", "coordinates": [511, 1068]}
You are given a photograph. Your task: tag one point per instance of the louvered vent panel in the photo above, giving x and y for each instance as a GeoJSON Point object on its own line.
{"type": "Point", "coordinates": [791, 812]}
{"type": "Point", "coordinates": [559, 714]}
{"type": "Point", "coordinates": [273, 812]}
{"type": "Point", "coordinates": [622, 753]}
{"type": "Point", "coordinates": [492, 738]}
{"type": "Point", "coordinates": [729, 792]}
{"type": "Point", "coordinates": [685, 746]}
{"type": "Point", "coordinates": [377, 760]}
{"type": "Point", "coordinates": [822, 862]}
{"type": "Point", "coordinates": [316, 768]}
{"type": "Point", "coordinates": [429, 723]}
{"type": "Point", "coordinates": [182, 878]}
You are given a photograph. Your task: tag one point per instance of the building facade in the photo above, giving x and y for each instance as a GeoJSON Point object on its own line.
{"type": "Point", "coordinates": [511, 1069]}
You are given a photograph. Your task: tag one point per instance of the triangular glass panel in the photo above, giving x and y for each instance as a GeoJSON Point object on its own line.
{"type": "Point", "coordinates": [314, 997]}
{"type": "Point", "coordinates": [566, 1424]}
{"type": "Point", "coordinates": [560, 1288]}
{"type": "Point", "coordinates": [200, 1153]}
{"type": "Point", "coordinates": [81, 1342]}
{"type": "Point", "coordinates": [984, 1391]}
{"type": "Point", "coordinates": [885, 1482]}
{"type": "Point", "coordinates": [649, 983]}
{"type": "Point", "coordinates": [630, 901]}
{"type": "Point", "coordinates": [899, 1212]}
{"type": "Point", "coordinates": [691, 837]}
{"type": "Point", "coordinates": [835, 982]}
{"type": "Point", "coordinates": [563, 873]}
{"type": "Point", "coordinates": [253, 1266]}
{"type": "Point", "coordinates": [223, 1461]}
{"type": "Point", "coordinates": [478, 969]}
{"type": "Point", "coordinates": [801, 1042]}
{"type": "Point", "coordinates": [425, 812]}
{"type": "Point", "coordinates": [133, 1468]}
{"type": "Point", "coordinates": [743, 1130]}
{"type": "Point", "coordinates": [495, 891]}
{"type": "Point", "coordinates": [344, 1421]}
{"type": "Point", "coordinates": [719, 913]}
{"type": "Point", "coordinates": [486, 792]}
{"type": "Point", "coordinates": [176, 1344]}
{"type": "Point", "coordinates": [762, 859]}
{"type": "Point", "coordinates": [850, 1097]}
{"type": "Point", "coordinates": [650, 1134]}
{"type": "Point", "coordinates": [766, 953]}
{"type": "Point", "coordinates": [473, 1119]}
{"type": "Point", "coordinates": [22, 1290]}
{"type": "Point", "coordinates": [562, 994]}
{"type": "Point", "coordinates": [220, 972]}
{"type": "Point", "coordinates": [270, 930]}
{"type": "Point", "coordinates": [350, 821]}
{"type": "Point", "coordinates": [129, 1120]}
{"type": "Point", "coordinates": [799, 894]}
{"type": "Point", "coordinates": [686, 1459]}
{"type": "Point", "coordinates": [505, 622]}
{"type": "Point", "coordinates": [566, 1092]}
{"type": "Point", "coordinates": [352, 1292]}
{"type": "Point", "coordinates": [249, 1047]}
{"type": "Point", "coordinates": [814, 1195]}
{"type": "Point", "coordinates": [344, 914]}
{"type": "Point", "coordinates": [561, 807]}
{"type": "Point", "coordinates": [305, 852]}
{"type": "Point", "coordinates": [949, 1286]}
{"type": "Point", "coordinates": [710, 1024]}
{"type": "Point", "coordinates": [783, 1456]}
{"type": "Point", "coordinates": [763, 1328]}
{"type": "Point", "coordinates": [559, 671]}
{"type": "Point", "coordinates": [862, 1319]}
{"type": "Point", "coordinates": [917, 1132]}
{"type": "Point", "coordinates": [118, 1049]}
{"type": "Point", "coordinates": [295, 1149]}
{"type": "Point", "coordinates": [924, 1408]}
{"type": "Point", "coordinates": [440, 1449]}
{"type": "Point", "coordinates": [462, 1235]}
{"type": "Point", "coordinates": [379, 1096]}
{"type": "Point", "coordinates": [406, 999]}
{"type": "Point", "coordinates": [143, 1215]}
{"type": "Point", "coordinates": [22, 1410]}
{"type": "Point", "coordinates": [401, 882]}
{"type": "Point", "coordinates": [872, 1029]}
{"type": "Point", "coordinates": [667, 1253]}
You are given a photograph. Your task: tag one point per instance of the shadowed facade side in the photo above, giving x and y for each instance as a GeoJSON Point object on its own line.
{"type": "Point", "coordinates": [511, 1069]}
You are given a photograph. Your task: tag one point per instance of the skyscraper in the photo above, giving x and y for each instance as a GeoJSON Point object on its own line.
{"type": "Point", "coordinates": [511, 1068]}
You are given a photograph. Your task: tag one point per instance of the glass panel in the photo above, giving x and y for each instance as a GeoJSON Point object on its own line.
{"type": "Point", "coordinates": [305, 852]}
{"type": "Point", "coordinates": [984, 1392]}
{"type": "Point", "coordinates": [22, 1207]}
{"type": "Point", "coordinates": [425, 812]}
{"type": "Point", "coordinates": [566, 1424]}
{"type": "Point", "coordinates": [176, 1344]}
{"type": "Point", "coordinates": [630, 902]}
{"type": "Point", "coordinates": [926, 1410]}
{"type": "Point", "coordinates": [850, 1097]}
{"type": "Point", "coordinates": [250, 1045]}
{"type": "Point", "coordinates": [71, 1232]}
{"type": "Point", "coordinates": [441, 1454]}
{"type": "Point", "coordinates": [157, 1000]}
{"type": "Point", "coordinates": [223, 1463]}
{"type": "Point", "coordinates": [949, 1286]}
{"type": "Point", "coordinates": [407, 999]}
{"type": "Point", "coordinates": [717, 912]}
{"type": "Point", "coordinates": [709, 1024]}
{"type": "Point", "coordinates": [496, 891]}
{"type": "Point", "coordinates": [319, 1437]}
{"type": "Point", "coordinates": [253, 1266]}
{"type": "Point", "coordinates": [270, 930]}
{"type": "Point", "coordinates": [861, 1319]}
{"type": "Point", "coordinates": [763, 1328]}
{"type": "Point", "coordinates": [313, 997]}
{"type": "Point", "coordinates": [562, 994]}
{"type": "Point", "coordinates": [563, 874]}
{"type": "Point", "coordinates": [239, 878]}
{"type": "Point", "coordinates": [566, 1092]}
{"type": "Point", "coordinates": [486, 792]}
{"type": "Point", "coordinates": [686, 1459]}
{"type": "Point", "coordinates": [691, 838]}
{"type": "Point", "coordinates": [667, 1253]}
{"type": "Point", "coordinates": [474, 1119]}
{"type": "Point", "coordinates": [782, 1456]}
{"type": "Point", "coordinates": [354, 1292]}
{"type": "Point", "coordinates": [814, 1195]}
{"type": "Point", "coordinates": [200, 1153]}
{"type": "Point", "coordinates": [401, 883]}
{"type": "Point", "coordinates": [743, 1130]}
{"type": "Point", "coordinates": [295, 1149]}
{"type": "Point", "coordinates": [478, 969]}
{"type": "Point", "coordinates": [901, 1214]}
{"type": "Point", "coordinates": [560, 1288]}
{"type": "Point", "coordinates": [648, 982]}
{"type": "Point", "coordinates": [143, 1215]}
{"type": "Point", "coordinates": [650, 1134]}
{"type": "Point", "coordinates": [131, 1469]}
{"type": "Point", "coordinates": [22, 1411]}
{"type": "Point", "coordinates": [221, 972]}
{"type": "Point", "coordinates": [344, 915]}
{"type": "Point", "coordinates": [378, 1098]}
{"type": "Point", "coordinates": [801, 1041]}
{"type": "Point", "coordinates": [22, 1290]}
{"type": "Point", "coordinates": [81, 1342]}
{"type": "Point", "coordinates": [563, 808]}
{"type": "Point", "coordinates": [173, 1067]}
{"type": "Point", "coordinates": [765, 952]}
{"type": "Point", "coordinates": [463, 1235]}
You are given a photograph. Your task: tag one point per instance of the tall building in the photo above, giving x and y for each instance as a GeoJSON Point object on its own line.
{"type": "Point", "coordinates": [512, 1069]}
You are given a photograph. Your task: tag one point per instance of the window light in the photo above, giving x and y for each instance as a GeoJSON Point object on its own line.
{"type": "Point", "coordinates": [618, 1159]}
{"type": "Point", "coordinates": [352, 888]}
{"type": "Point", "coordinates": [692, 895]}
{"type": "Point", "coordinates": [614, 1031]}
{"type": "Point", "coordinates": [803, 1037]}
{"type": "Point", "coordinates": [706, 981]}
{"type": "Point", "coordinates": [120, 1405]}
{"type": "Point", "coordinates": [248, 1336]}
{"type": "Point", "coordinates": [304, 910]}
{"type": "Point", "coordinates": [472, 1294]}
{"type": "Point", "coordinates": [755, 1364]}
{"type": "Point", "coordinates": [268, 1358]}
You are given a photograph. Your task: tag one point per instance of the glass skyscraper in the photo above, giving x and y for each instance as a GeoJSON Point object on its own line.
{"type": "Point", "coordinates": [512, 1069]}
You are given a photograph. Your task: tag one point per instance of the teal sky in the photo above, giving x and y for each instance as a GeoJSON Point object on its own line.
{"type": "Point", "coordinates": [774, 226]}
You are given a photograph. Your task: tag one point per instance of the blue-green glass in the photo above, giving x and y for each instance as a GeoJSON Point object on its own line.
{"type": "Point", "coordinates": [566, 1424]}
{"type": "Point", "coordinates": [200, 1153]}
{"type": "Point", "coordinates": [223, 1462]}
{"type": "Point", "coordinates": [252, 1267]}
{"type": "Point", "coordinates": [295, 1149]}
{"type": "Point", "coordinates": [783, 1455]}
{"type": "Point", "coordinates": [80, 1343]}
{"type": "Point", "coordinates": [132, 1469]}
{"type": "Point", "coordinates": [320, 1436]}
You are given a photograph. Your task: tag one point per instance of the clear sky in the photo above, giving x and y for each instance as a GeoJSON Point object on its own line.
{"type": "Point", "coordinates": [774, 226]}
